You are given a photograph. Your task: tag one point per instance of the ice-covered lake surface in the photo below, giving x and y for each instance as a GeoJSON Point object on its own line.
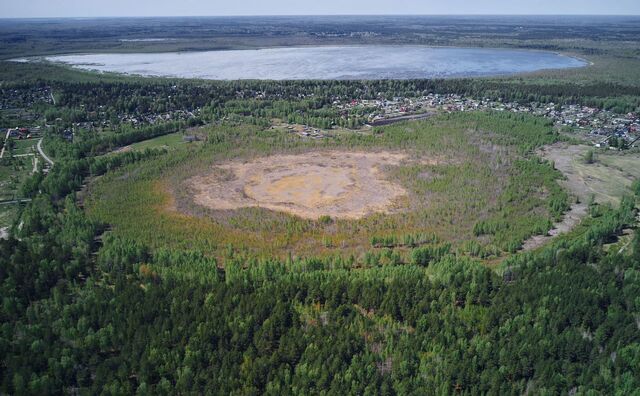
{"type": "Point", "coordinates": [326, 63]}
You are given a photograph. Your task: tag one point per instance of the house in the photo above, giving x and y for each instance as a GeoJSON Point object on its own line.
{"type": "Point", "coordinates": [34, 132]}
{"type": "Point", "coordinates": [18, 133]}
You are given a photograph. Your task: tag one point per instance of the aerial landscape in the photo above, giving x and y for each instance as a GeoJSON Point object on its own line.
{"type": "Point", "coordinates": [327, 198]}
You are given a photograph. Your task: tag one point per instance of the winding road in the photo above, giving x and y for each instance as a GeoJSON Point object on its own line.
{"type": "Point", "coordinates": [6, 138]}
{"type": "Point", "coordinates": [39, 147]}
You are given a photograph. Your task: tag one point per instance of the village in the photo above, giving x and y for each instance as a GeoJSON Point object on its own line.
{"type": "Point", "coordinates": [602, 127]}
{"type": "Point", "coordinates": [101, 123]}
{"type": "Point", "coordinates": [19, 105]}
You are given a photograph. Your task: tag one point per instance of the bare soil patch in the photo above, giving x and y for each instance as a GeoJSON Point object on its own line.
{"type": "Point", "coordinates": [570, 219]}
{"type": "Point", "coordinates": [124, 149]}
{"type": "Point", "coordinates": [339, 184]}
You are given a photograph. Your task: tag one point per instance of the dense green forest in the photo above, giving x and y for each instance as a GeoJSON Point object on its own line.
{"type": "Point", "coordinates": [160, 321]}
{"type": "Point", "coordinates": [104, 290]}
{"type": "Point", "coordinates": [564, 318]}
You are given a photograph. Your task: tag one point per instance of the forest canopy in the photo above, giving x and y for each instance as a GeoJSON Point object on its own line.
{"type": "Point", "coordinates": [115, 280]}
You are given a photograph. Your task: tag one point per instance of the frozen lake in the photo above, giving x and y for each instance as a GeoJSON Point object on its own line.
{"type": "Point", "coordinates": [326, 63]}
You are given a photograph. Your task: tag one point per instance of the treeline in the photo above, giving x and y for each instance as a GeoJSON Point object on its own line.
{"type": "Point", "coordinates": [408, 240]}
{"type": "Point", "coordinates": [316, 112]}
{"type": "Point", "coordinates": [87, 144]}
{"type": "Point", "coordinates": [144, 97]}
{"type": "Point", "coordinates": [69, 175]}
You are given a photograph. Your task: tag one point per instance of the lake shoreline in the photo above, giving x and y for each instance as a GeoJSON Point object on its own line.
{"type": "Point", "coordinates": [343, 62]}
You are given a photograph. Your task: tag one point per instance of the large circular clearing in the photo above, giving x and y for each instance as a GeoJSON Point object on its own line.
{"type": "Point", "coordinates": [337, 184]}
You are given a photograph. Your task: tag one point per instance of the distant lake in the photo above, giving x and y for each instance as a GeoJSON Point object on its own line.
{"type": "Point", "coordinates": [326, 63]}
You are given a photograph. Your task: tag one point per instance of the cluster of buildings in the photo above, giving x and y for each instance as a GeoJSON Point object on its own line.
{"type": "Point", "coordinates": [126, 119]}
{"type": "Point", "coordinates": [602, 125]}
{"type": "Point", "coordinates": [24, 132]}
{"type": "Point", "coordinates": [24, 98]}
{"type": "Point", "coordinates": [363, 34]}
{"type": "Point", "coordinates": [306, 131]}
{"type": "Point", "coordinates": [101, 121]}
{"type": "Point", "coordinates": [153, 118]}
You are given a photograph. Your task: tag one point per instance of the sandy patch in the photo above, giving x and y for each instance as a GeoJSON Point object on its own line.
{"type": "Point", "coordinates": [347, 185]}
{"type": "Point", "coordinates": [124, 149]}
{"type": "Point", "coordinates": [570, 219]}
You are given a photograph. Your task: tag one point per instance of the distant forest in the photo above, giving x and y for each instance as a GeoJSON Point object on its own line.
{"type": "Point", "coordinates": [36, 37]}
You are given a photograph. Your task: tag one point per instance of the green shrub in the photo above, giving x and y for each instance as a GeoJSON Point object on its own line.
{"type": "Point", "coordinates": [428, 254]}
{"type": "Point", "coordinates": [635, 187]}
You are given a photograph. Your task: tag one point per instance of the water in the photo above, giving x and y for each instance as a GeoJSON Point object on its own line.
{"type": "Point", "coordinates": [326, 63]}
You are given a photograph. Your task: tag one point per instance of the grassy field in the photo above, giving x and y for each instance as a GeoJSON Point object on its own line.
{"type": "Point", "coordinates": [8, 214]}
{"type": "Point", "coordinates": [612, 174]}
{"type": "Point", "coordinates": [628, 164]}
{"type": "Point", "coordinates": [26, 146]}
{"type": "Point", "coordinates": [607, 179]}
{"type": "Point", "coordinates": [12, 172]}
{"type": "Point", "coordinates": [485, 195]}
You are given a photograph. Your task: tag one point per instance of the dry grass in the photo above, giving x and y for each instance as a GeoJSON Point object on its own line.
{"type": "Point", "coordinates": [607, 179]}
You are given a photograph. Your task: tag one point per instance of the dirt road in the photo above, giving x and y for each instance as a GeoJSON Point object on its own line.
{"type": "Point", "coordinates": [6, 139]}
{"type": "Point", "coordinates": [44, 156]}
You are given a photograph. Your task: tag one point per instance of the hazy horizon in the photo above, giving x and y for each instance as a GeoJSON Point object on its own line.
{"type": "Point", "coordinates": [311, 15]}
{"type": "Point", "coordinates": [256, 8]}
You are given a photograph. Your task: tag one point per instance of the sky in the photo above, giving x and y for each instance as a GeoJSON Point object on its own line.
{"type": "Point", "coordinates": [106, 8]}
